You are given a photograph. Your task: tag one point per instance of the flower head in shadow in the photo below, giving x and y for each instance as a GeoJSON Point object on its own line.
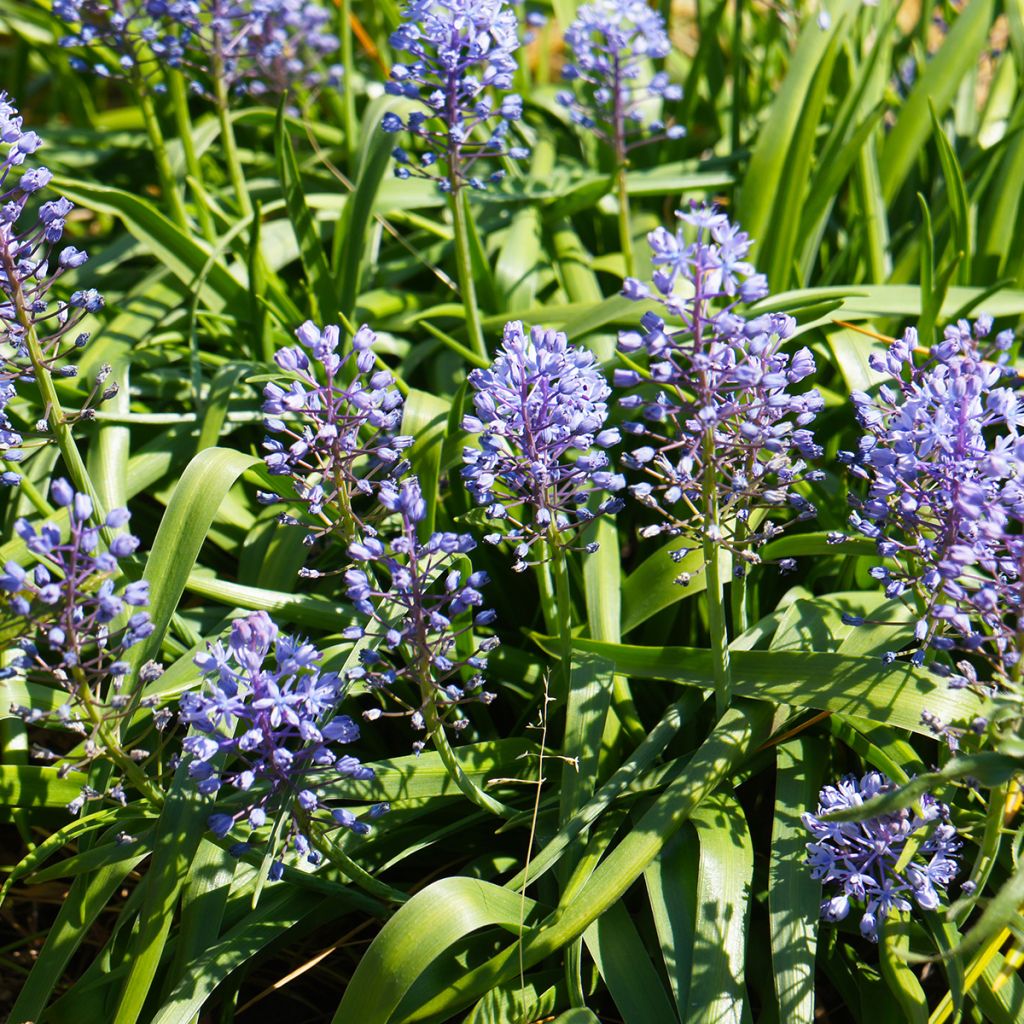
{"type": "Point", "coordinates": [859, 858]}
{"type": "Point", "coordinates": [421, 600]}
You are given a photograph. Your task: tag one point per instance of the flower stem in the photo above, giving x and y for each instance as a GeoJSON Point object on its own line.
{"type": "Point", "coordinates": [738, 588]}
{"type": "Point", "coordinates": [113, 746]}
{"type": "Point", "coordinates": [179, 97]}
{"type": "Point", "coordinates": [625, 229]}
{"type": "Point", "coordinates": [621, 164]}
{"type": "Point", "coordinates": [359, 876]}
{"type": "Point", "coordinates": [348, 96]}
{"type": "Point", "coordinates": [548, 598]}
{"type": "Point", "coordinates": [717, 628]}
{"type": "Point", "coordinates": [563, 609]}
{"type": "Point", "coordinates": [451, 763]}
{"type": "Point", "coordinates": [464, 267]}
{"type": "Point", "coordinates": [168, 184]}
{"type": "Point", "coordinates": [55, 417]}
{"type": "Point", "coordinates": [227, 135]}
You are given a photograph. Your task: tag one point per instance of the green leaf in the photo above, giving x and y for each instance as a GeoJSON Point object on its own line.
{"type": "Point", "coordinates": [175, 841]}
{"type": "Point", "coordinates": [183, 528]}
{"type": "Point", "coordinates": [899, 300]}
{"type": "Point", "coordinates": [1002, 910]}
{"type": "Point", "coordinates": [580, 1015]}
{"type": "Point", "coordinates": [669, 179]}
{"type": "Point", "coordinates": [725, 870]}
{"type": "Point", "coordinates": [618, 785]}
{"type": "Point", "coordinates": [900, 979]}
{"type": "Point", "coordinates": [518, 268]}
{"type": "Point", "coordinates": [322, 291]}
{"type": "Point", "coordinates": [517, 1002]}
{"type": "Point", "coordinates": [425, 417]}
{"type": "Point", "coordinates": [956, 195]}
{"type": "Point", "coordinates": [892, 694]}
{"type": "Point", "coordinates": [589, 696]}
{"type": "Point", "coordinates": [29, 785]}
{"type": "Point", "coordinates": [310, 610]}
{"type": "Point", "coordinates": [763, 181]}
{"type": "Point", "coordinates": [422, 930]}
{"type": "Point", "coordinates": [180, 253]}
{"type": "Point", "coordinates": [988, 767]}
{"type": "Point", "coordinates": [652, 586]}
{"type": "Point", "coordinates": [743, 727]}
{"type": "Point", "coordinates": [671, 880]}
{"type": "Point", "coordinates": [203, 902]}
{"type": "Point", "coordinates": [793, 895]}
{"type": "Point", "coordinates": [419, 776]}
{"type": "Point", "coordinates": [582, 195]}
{"type": "Point", "coordinates": [87, 897]}
{"type": "Point", "coordinates": [223, 388]}
{"type": "Point", "coordinates": [279, 913]}
{"type": "Point", "coordinates": [626, 967]}
{"type": "Point", "coordinates": [778, 246]}
{"type": "Point", "coordinates": [936, 86]}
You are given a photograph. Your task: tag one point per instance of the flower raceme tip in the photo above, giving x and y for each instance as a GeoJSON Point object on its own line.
{"type": "Point", "coordinates": [462, 55]}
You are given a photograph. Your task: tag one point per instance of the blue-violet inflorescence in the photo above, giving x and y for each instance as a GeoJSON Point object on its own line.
{"type": "Point", "coordinates": [266, 724]}
{"type": "Point", "coordinates": [715, 417]}
{"type": "Point", "coordinates": [36, 331]}
{"type": "Point", "coordinates": [257, 47]}
{"type": "Point", "coordinates": [78, 621]}
{"type": "Point", "coordinates": [126, 38]}
{"type": "Point", "coordinates": [611, 44]}
{"type": "Point", "coordinates": [943, 462]}
{"type": "Point", "coordinates": [419, 649]}
{"type": "Point", "coordinates": [333, 429]}
{"type": "Point", "coordinates": [541, 468]}
{"type": "Point", "coordinates": [859, 858]}
{"type": "Point", "coordinates": [462, 58]}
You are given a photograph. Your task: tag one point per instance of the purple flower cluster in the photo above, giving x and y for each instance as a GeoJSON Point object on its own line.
{"type": "Point", "coordinates": [336, 437]}
{"type": "Point", "coordinates": [258, 47]}
{"type": "Point", "coordinates": [141, 34]}
{"type": "Point", "coordinates": [31, 262]}
{"type": "Point", "coordinates": [261, 46]}
{"type": "Point", "coordinates": [943, 461]}
{"type": "Point", "coordinates": [72, 609]}
{"type": "Point", "coordinates": [462, 61]}
{"type": "Point", "coordinates": [715, 410]}
{"type": "Point", "coordinates": [714, 266]}
{"type": "Point", "coordinates": [266, 725]}
{"type": "Point", "coordinates": [541, 415]}
{"type": "Point", "coordinates": [611, 42]}
{"type": "Point", "coordinates": [420, 651]}
{"type": "Point", "coordinates": [860, 858]}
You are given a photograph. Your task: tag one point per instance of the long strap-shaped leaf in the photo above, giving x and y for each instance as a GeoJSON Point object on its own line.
{"type": "Point", "coordinates": [432, 921]}
{"type": "Point", "coordinates": [183, 528]}
{"type": "Point", "coordinates": [793, 896]}
{"type": "Point", "coordinates": [86, 898]}
{"type": "Point", "coordinates": [717, 994]}
{"type": "Point", "coordinates": [180, 253]}
{"type": "Point", "coordinates": [625, 965]}
{"type": "Point", "coordinates": [283, 912]}
{"type": "Point", "coordinates": [742, 729]}
{"type": "Point", "coordinates": [891, 694]}
{"type": "Point", "coordinates": [176, 839]}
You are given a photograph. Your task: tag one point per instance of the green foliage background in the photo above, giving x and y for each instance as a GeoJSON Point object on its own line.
{"type": "Point", "coordinates": [665, 859]}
